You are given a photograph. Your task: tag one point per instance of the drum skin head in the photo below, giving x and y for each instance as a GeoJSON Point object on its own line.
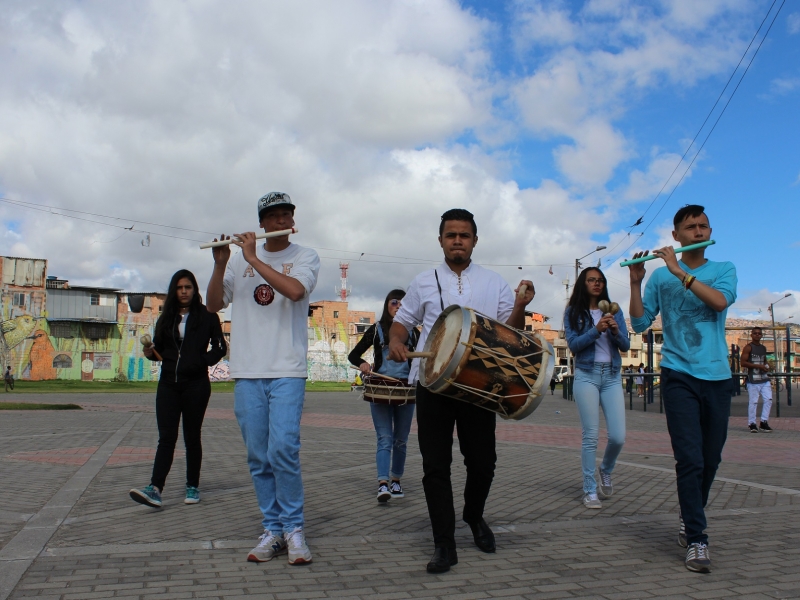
{"type": "Point", "coordinates": [452, 328]}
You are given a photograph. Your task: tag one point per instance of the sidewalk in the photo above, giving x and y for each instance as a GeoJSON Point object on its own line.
{"type": "Point", "coordinates": [69, 530]}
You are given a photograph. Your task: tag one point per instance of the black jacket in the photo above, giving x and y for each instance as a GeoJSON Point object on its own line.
{"type": "Point", "coordinates": [371, 338]}
{"type": "Point", "coordinates": [189, 359]}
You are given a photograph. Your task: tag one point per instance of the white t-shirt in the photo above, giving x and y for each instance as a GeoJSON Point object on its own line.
{"type": "Point", "coordinates": [269, 332]}
{"type": "Point", "coordinates": [182, 326]}
{"type": "Point", "coordinates": [477, 288]}
{"type": "Point", "coordinates": [602, 345]}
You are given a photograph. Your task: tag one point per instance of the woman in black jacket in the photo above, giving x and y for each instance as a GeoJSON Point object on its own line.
{"type": "Point", "coordinates": [188, 339]}
{"type": "Point", "coordinates": [392, 419]}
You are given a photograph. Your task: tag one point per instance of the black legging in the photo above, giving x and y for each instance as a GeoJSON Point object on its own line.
{"type": "Point", "coordinates": [189, 399]}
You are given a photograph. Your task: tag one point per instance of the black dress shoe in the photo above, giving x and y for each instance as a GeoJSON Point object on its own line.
{"type": "Point", "coordinates": [483, 536]}
{"type": "Point", "coordinates": [442, 560]}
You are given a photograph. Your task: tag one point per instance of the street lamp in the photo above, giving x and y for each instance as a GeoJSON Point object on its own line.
{"type": "Point", "coordinates": [774, 334]}
{"type": "Point", "coordinates": [578, 260]}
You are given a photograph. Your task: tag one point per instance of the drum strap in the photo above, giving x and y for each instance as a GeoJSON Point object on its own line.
{"type": "Point", "coordinates": [441, 301]}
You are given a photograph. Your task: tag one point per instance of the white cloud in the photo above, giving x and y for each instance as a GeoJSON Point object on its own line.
{"type": "Point", "coordinates": [535, 24]}
{"type": "Point", "coordinates": [184, 114]}
{"type": "Point", "coordinates": [793, 23]}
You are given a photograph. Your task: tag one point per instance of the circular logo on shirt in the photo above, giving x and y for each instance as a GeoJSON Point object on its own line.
{"type": "Point", "coordinates": [264, 294]}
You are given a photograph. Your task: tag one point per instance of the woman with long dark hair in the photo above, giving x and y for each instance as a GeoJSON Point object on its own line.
{"type": "Point", "coordinates": [596, 340]}
{"type": "Point", "coordinates": [188, 339]}
{"type": "Point", "coordinates": [392, 419]}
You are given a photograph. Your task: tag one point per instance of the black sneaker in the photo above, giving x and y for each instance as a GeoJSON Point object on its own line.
{"type": "Point", "coordinates": [753, 428]}
{"type": "Point", "coordinates": [764, 426]}
{"type": "Point", "coordinates": [383, 492]}
{"type": "Point", "coordinates": [682, 534]}
{"type": "Point", "coordinates": [396, 490]}
{"type": "Point", "coordinates": [697, 559]}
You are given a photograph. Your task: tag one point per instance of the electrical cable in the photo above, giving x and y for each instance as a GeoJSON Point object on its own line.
{"type": "Point", "coordinates": [716, 122]}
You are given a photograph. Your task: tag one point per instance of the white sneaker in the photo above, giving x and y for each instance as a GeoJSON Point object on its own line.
{"type": "Point", "coordinates": [299, 553]}
{"type": "Point", "coordinates": [396, 490]}
{"type": "Point", "coordinates": [269, 546]}
{"type": "Point", "coordinates": [592, 501]}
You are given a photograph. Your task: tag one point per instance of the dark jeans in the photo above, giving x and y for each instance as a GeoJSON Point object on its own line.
{"type": "Point", "coordinates": [189, 399]}
{"type": "Point", "coordinates": [697, 418]}
{"type": "Point", "coordinates": [436, 416]}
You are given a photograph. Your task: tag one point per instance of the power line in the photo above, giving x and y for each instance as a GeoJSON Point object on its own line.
{"type": "Point", "coordinates": [716, 122]}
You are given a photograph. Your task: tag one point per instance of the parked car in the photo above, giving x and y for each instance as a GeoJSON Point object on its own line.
{"type": "Point", "coordinates": [559, 371]}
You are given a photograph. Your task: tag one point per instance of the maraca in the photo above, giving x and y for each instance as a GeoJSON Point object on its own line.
{"type": "Point", "coordinates": [608, 308]}
{"type": "Point", "coordinates": [147, 342]}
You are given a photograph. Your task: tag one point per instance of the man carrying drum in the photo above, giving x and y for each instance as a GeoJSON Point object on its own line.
{"type": "Point", "coordinates": [456, 281]}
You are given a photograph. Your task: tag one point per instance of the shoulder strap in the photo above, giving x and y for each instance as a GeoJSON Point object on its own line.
{"type": "Point", "coordinates": [441, 301]}
{"type": "Point", "coordinates": [379, 332]}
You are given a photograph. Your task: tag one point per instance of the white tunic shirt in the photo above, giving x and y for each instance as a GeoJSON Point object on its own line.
{"type": "Point", "coordinates": [269, 332]}
{"type": "Point", "coordinates": [480, 289]}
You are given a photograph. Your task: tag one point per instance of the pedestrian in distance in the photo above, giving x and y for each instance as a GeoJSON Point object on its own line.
{"type": "Point", "coordinates": [269, 285]}
{"type": "Point", "coordinates": [629, 380]}
{"type": "Point", "coordinates": [391, 418]}
{"type": "Point", "coordinates": [596, 340]}
{"type": "Point", "coordinates": [754, 359]}
{"type": "Point", "coordinates": [8, 378]}
{"type": "Point", "coordinates": [693, 295]}
{"type": "Point", "coordinates": [458, 280]}
{"type": "Point", "coordinates": [188, 340]}
{"type": "Point", "coordinates": [640, 381]}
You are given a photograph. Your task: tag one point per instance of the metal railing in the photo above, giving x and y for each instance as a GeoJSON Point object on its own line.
{"type": "Point", "coordinates": [781, 382]}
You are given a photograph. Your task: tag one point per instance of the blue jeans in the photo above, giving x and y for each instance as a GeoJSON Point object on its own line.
{"type": "Point", "coordinates": [600, 387]}
{"type": "Point", "coordinates": [392, 424]}
{"type": "Point", "coordinates": [268, 412]}
{"type": "Point", "coordinates": [697, 419]}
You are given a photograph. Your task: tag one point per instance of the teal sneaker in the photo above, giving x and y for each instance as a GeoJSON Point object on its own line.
{"type": "Point", "coordinates": [149, 496]}
{"type": "Point", "coordinates": [192, 495]}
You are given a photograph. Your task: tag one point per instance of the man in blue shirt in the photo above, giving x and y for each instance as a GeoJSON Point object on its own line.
{"type": "Point", "coordinates": [693, 295]}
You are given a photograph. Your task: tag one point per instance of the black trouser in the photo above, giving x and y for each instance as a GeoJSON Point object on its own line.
{"type": "Point", "coordinates": [697, 419]}
{"type": "Point", "coordinates": [189, 399]}
{"type": "Point", "coordinates": [436, 416]}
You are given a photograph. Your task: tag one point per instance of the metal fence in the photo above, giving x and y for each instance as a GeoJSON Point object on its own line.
{"type": "Point", "coordinates": [651, 388]}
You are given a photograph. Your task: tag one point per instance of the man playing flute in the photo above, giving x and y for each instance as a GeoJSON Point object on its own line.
{"type": "Point", "coordinates": [693, 295]}
{"type": "Point", "coordinates": [271, 284]}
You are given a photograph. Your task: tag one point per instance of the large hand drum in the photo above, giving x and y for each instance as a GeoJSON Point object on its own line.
{"type": "Point", "coordinates": [487, 363]}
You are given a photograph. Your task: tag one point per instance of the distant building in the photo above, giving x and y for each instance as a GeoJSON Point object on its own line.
{"type": "Point", "coordinates": [333, 331]}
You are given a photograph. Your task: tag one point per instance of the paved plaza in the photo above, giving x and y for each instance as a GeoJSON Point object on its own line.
{"type": "Point", "coordinates": [68, 529]}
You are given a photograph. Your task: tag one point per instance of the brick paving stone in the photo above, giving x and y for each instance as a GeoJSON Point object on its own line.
{"type": "Point", "coordinates": [548, 545]}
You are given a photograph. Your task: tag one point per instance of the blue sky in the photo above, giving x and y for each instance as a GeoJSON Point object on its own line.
{"type": "Point", "coordinates": [555, 122]}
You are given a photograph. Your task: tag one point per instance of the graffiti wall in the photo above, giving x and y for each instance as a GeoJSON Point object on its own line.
{"type": "Point", "coordinates": [36, 352]}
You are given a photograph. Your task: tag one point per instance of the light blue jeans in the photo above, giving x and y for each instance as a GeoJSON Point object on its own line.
{"type": "Point", "coordinates": [392, 424]}
{"type": "Point", "coordinates": [268, 412]}
{"type": "Point", "coordinates": [594, 389]}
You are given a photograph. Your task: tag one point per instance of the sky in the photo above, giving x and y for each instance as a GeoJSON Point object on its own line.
{"type": "Point", "coordinates": [556, 123]}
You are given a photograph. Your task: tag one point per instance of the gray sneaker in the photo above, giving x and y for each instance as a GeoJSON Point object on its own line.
{"type": "Point", "coordinates": [606, 489]}
{"type": "Point", "coordinates": [682, 542]}
{"type": "Point", "coordinates": [269, 546]}
{"type": "Point", "coordinates": [299, 554]}
{"type": "Point", "coordinates": [697, 558]}
{"type": "Point", "coordinates": [592, 501]}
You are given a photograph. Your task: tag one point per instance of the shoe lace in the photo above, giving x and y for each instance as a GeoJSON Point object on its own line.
{"type": "Point", "coordinates": [395, 486]}
{"type": "Point", "coordinates": [698, 551]}
{"type": "Point", "coordinates": [266, 538]}
{"type": "Point", "coordinates": [295, 539]}
{"type": "Point", "coordinates": [605, 479]}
